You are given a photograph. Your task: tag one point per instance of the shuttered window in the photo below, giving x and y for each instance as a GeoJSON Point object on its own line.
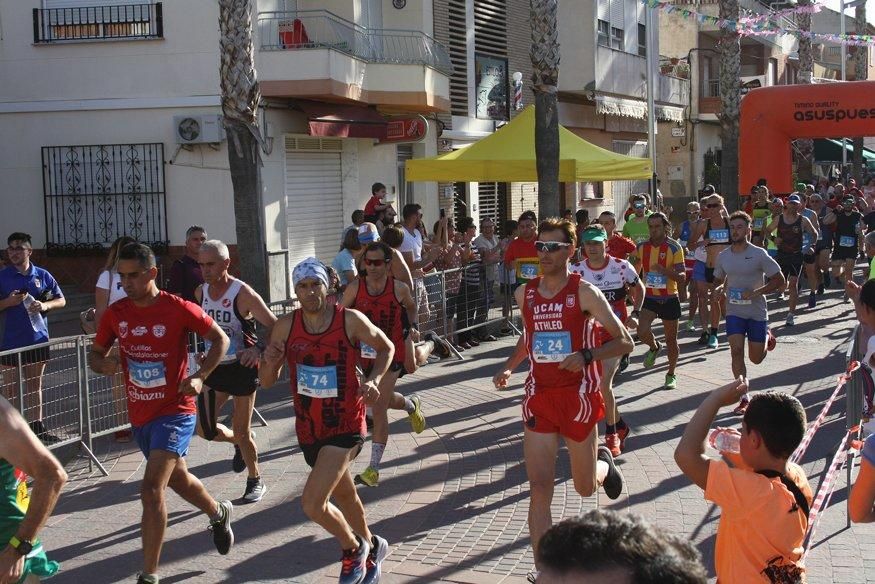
{"type": "Point", "coordinates": [490, 27]}
{"type": "Point", "coordinates": [618, 24]}
{"type": "Point", "coordinates": [84, 3]}
{"type": "Point", "coordinates": [459, 56]}
{"type": "Point", "coordinates": [623, 189]}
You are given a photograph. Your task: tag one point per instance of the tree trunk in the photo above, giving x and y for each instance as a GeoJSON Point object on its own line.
{"type": "Point", "coordinates": [545, 82]}
{"type": "Point", "coordinates": [860, 74]}
{"type": "Point", "coordinates": [805, 146]}
{"type": "Point", "coordinates": [240, 99]}
{"type": "Point", "coordinates": [730, 97]}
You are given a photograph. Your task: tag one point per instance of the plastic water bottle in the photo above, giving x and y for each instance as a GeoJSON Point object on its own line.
{"type": "Point", "coordinates": [36, 319]}
{"type": "Point", "coordinates": [725, 440]}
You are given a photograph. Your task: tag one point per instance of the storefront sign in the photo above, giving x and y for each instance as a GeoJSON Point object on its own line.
{"type": "Point", "coordinates": [492, 82]}
{"type": "Point", "coordinates": [406, 130]}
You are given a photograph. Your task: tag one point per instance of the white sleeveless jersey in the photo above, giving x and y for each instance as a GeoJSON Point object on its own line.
{"type": "Point", "coordinates": [240, 331]}
{"type": "Point", "coordinates": [612, 279]}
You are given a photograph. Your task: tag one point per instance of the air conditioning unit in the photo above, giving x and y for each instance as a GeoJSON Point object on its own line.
{"type": "Point", "coordinates": [199, 129]}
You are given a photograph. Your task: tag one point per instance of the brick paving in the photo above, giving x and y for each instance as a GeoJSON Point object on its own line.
{"type": "Point", "coordinates": [452, 501]}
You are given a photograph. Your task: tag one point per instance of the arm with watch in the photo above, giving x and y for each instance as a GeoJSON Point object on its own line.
{"type": "Point", "coordinates": [23, 450]}
{"type": "Point", "coordinates": [636, 291]}
{"type": "Point", "coordinates": [594, 302]}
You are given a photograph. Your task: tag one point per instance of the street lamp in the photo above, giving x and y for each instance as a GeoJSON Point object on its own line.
{"type": "Point", "coordinates": [844, 52]}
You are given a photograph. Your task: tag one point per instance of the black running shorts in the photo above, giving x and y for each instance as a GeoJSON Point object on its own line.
{"type": "Point", "coordinates": [346, 441]}
{"type": "Point", "coordinates": [234, 379]}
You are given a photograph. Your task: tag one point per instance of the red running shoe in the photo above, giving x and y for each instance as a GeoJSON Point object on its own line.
{"type": "Point", "coordinates": [623, 433]}
{"type": "Point", "coordinates": [771, 341]}
{"type": "Point", "coordinates": [612, 441]}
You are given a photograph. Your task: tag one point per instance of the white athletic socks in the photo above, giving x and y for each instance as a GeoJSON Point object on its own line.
{"type": "Point", "coordinates": [409, 406]}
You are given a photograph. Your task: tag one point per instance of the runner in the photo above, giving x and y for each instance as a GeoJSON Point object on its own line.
{"type": "Point", "coordinates": [236, 307]}
{"type": "Point", "coordinates": [847, 227]}
{"type": "Point", "coordinates": [715, 232]}
{"type": "Point", "coordinates": [809, 246]}
{"type": "Point", "coordinates": [740, 269]}
{"type": "Point", "coordinates": [320, 343]}
{"type": "Point", "coordinates": [759, 214]}
{"type": "Point", "coordinates": [617, 246]}
{"type": "Point", "coordinates": [520, 255]}
{"type": "Point", "coordinates": [692, 290]}
{"type": "Point", "coordinates": [152, 329]}
{"type": "Point", "coordinates": [389, 305]}
{"type": "Point", "coordinates": [560, 312]}
{"type": "Point", "coordinates": [662, 268]}
{"type": "Point", "coordinates": [696, 244]}
{"type": "Point", "coordinates": [613, 277]}
{"type": "Point", "coordinates": [823, 246]}
{"type": "Point", "coordinates": [789, 227]}
{"type": "Point", "coordinates": [635, 227]}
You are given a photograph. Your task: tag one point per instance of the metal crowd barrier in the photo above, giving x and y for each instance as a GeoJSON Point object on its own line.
{"type": "Point", "coordinates": [854, 399]}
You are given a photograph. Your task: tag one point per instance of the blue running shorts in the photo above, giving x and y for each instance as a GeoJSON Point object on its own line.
{"type": "Point", "coordinates": [170, 433]}
{"type": "Point", "coordinates": [755, 330]}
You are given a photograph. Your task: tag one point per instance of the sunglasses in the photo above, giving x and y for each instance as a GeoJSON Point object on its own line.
{"type": "Point", "coordinates": [375, 263]}
{"type": "Point", "coordinates": [713, 205]}
{"type": "Point", "coordinates": [10, 248]}
{"type": "Point", "coordinates": [638, 206]}
{"type": "Point", "coordinates": [548, 246]}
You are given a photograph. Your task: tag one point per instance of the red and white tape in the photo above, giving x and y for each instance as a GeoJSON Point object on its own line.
{"type": "Point", "coordinates": [812, 429]}
{"type": "Point", "coordinates": [825, 490]}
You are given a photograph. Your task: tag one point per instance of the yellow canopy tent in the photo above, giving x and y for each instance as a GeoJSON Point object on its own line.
{"type": "Point", "coordinates": [508, 155]}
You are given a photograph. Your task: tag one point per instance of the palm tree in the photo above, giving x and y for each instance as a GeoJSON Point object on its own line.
{"type": "Point", "coordinates": [240, 99]}
{"type": "Point", "coordinates": [805, 146]}
{"type": "Point", "coordinates": [860, 70]}
{"type": "Point", "coordinates": [730, 97]}
{"type": "Point", "coordinates": [545, 83]}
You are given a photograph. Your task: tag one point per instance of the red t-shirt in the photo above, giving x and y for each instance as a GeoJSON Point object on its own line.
{"type": "Point", "coordinates": [370, 206]}
{"type": "Point", "coordinates": [154, 354]}
{"type": "Point", "coordinates": [619, 246]}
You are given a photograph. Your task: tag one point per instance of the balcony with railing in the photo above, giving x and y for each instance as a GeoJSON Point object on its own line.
{"type": "Point", "coordinates": [315, 53]}
{"type": "Point", "coordinates": [98, 23]}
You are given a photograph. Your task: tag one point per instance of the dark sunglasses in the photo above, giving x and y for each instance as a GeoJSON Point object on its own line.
{"type": "Point", "coordinates": [548, 246]}
{"type": "Point", "coordinates": [713, 205]}
{"type": "Point", "coordinates": [375, 263]}
{"type": "Point", "coordinates": [638, 206]}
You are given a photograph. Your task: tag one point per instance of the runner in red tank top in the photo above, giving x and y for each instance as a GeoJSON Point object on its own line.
{"type": "Point", "coordinates": [321, 344]}
{"type": "Point", "coordinates": [562, 389]}
{"type": "Point", "coordinates": [389, 305]}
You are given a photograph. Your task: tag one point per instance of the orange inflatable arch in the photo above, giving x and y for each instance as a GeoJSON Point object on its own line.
{"type": "Point", "coordinates": [772, 117]}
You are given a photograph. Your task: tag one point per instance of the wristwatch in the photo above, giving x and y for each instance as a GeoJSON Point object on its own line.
{"type": "Point", "coordinates": [587, 356]}
{"type": "Point", "coordinates": [23, 547]}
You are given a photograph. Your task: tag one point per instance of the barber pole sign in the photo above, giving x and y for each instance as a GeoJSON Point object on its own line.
{"type": "Point", "coordinates": [406, 130]}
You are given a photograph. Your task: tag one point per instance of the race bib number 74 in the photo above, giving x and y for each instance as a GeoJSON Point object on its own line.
{"type": "Point", "coordinates": [318, 382]}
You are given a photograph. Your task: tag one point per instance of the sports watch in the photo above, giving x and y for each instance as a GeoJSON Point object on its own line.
{"type": "Point", "coordinates": [587, 356]}
{"type": "Point", "coordinates": [23, 547]}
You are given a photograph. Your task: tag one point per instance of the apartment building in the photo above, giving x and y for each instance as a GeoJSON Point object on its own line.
{"type": "Point", "coordinates": [112, 118]}
{"type": "Point", "coordinates": [828, 55]}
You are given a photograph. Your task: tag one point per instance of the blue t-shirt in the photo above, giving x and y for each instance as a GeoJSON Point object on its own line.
{"type": "Point", "coordinates": [15, 327]}
{"type": "Point", "coordinates": [344, 262]}
{"type": "Point", "coordinates": [685, 231]}
{"type": "Point", "coordinates": [869, 449]}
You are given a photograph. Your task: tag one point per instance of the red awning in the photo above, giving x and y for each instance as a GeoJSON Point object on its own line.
{"type": "Point", "coordinates": [343, 121]}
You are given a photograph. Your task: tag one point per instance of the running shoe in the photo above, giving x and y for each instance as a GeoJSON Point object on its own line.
{"type": "Point", "coordinates": [650, 356]}
{"type": "Point", "coordinates": [417, 420]}
{"type": "Point", "coordinates": [255, 490]}
{"type": "Point", "coordinates": [369, 477]}
{"type": "Point", "coordinates": [712, 341]}
{"type": "Point", "coordinates": [532, 577]}
{"type": "Point", "coordinates": [812, 300]}
{"type": "Point", "coordinates": [691, 326]}
{"type": "Point", "coordinates": [473, 342]}
{"type": "Point", "coordinates": [623, 433]}
{"type": "Point", "coordinates": [703, 338]}
{"type": "Point", "coordinates": [223, 536]}
{"type": "Point", "coordinates": [612, 441]}
{"type": "Point", "coordinates": [671, 381]}
{"type": "Point", "coordinates": [613, 483]}
{"type": "Point", "coordinates": [144, 579]}
{"type": "Point", "coordinates": [379, 551]}
{"type": "Point", "coordinates": [791, 320]}
{"type": "Point", "coordinates": [237, 463]}
{"type": "Point", "coordinates": [440, 347]}
{"type": "Point", "coordinates": [741, 408]}
{"type": "Point", "coordinates": [771, 340]}
{"type": "Point", "coordinates": [354, 563]}
{"type": "Point", "coordinates": [624, 363]}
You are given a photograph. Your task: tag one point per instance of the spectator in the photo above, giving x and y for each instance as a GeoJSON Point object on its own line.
{"type": "Point", "coordinates": [344, 261]}
{"type": "Point", "coordinates": [449, 258]}
{"type": "Point", "coordinates": [412, 249]}
{"type": "Point", "coordinates": [393, 236]}
{"type": "Point", "coordinates": [28, 292]}
{"type": "Point", "coordinates": [358, 217]}
{"type": "Point", "coordinates": [507, 275]}
{"type": "Point", "coordinates": [488, 246]}
{"type": "Point", "coordinates": [185, 273]}
{"type": "Point", "coordinates": [864, 305]}
{"type": "Point", "coordinates": [764, 512]}
{"type": "Point", "coordinates": [521, 255]}
{"type": "Point", "coordinates": [862, 499]}
{"type": "Point", "coordinates": [568, 215]}
{"type": "Point", "coordinates": [386, 218]}
{"type": "Point", "coordinates": [606, 546]}
{"type": "Point", "coordinates": [107, 291]}
{"type": "Point", "coordinates": [375, 204]}
{"type": "Point", "coordinates": [23, 559]}
{"type": "Point", "coordinates": [470, 288]}
{"type": "Point", "coordinates": [582, 219]}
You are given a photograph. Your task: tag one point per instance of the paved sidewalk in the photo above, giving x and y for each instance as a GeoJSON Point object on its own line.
{"type": "Point", "coordinates": [452, 501]}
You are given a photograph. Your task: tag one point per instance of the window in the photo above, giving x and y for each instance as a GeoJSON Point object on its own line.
{"type": "Point", "coordinates": [591, 190]}
{"type": "Point", "coordinates": [642, 40]}
{"type": "Point", "coordinates": [604, 33]}
{"type": "Point", "coordinates": [617, 41]}
{"type": "Point", "coordinates": [109, 19]}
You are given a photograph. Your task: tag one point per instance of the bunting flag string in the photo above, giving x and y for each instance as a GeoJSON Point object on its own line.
{"type": "Point", "coordinates": [762, 24]}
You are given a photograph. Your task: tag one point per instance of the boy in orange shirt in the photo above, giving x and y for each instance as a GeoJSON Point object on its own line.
{"type": "Point", "coordinates": [764, 512]}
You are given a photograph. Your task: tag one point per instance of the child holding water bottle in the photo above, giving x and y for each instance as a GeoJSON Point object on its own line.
{"type": "Point", "coordinates": [764, 498]}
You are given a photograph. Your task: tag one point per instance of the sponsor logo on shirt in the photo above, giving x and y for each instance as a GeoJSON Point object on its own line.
{"type": "Point", "coordinates": [139, 331]}
{"type": "Point", "coordinates": [37, 283]}
{"type": "Point", "coordinates": [123, 329]}
{"type": "Point", "coordinates": [226, 302]}
{"type": "Point", "coordinates": [134, 394]}
{"type": "Point", "coordinates": [159, 330]}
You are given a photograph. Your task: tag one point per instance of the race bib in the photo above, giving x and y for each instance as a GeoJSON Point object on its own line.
{"type": "Point", "coordinates": [847, 241]}
{"type": "Point", "coordinates": [735, 296]}
{"type": "Point", "coordinates": [147, 374]}
{"type": "Point", "coordinates": [528, 271]}
{"type": "Point", "coordinates": [758, 223]}
{"type": "Point", "coordinates": [318, 382]}
{"type": "Point", "coordinates": [719, 235]}
{"type": "Point", "coordinates": [656, 281]}
{"type": "Point", "coordinates": [230, 355]}
{"type": "Point", "coordinates": [551, 347]}
{"type": "Point", "coordinates": [368, 352]}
